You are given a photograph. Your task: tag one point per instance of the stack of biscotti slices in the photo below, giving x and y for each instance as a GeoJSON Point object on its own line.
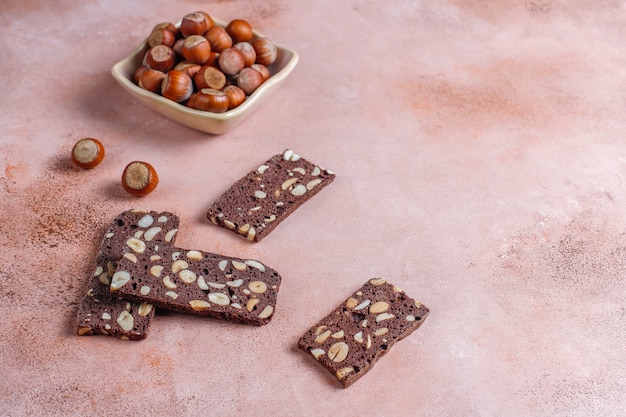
{"type": "Point", "coordinates": [103, 312]}
{"type": "Point", "coordinates": [138, 269]}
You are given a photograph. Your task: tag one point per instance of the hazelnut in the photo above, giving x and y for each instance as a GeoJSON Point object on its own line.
{"type": "Point", "coordinates": [231, 61]}
{"type": "Point", "coordinates": [196, 49]}
{"type": "Point", "coordinates": [235, 95]}
{"type": "Point", "coordinates": [209, 77]}
{"type": "Point", "coordinates": [88, 153]}
{"type": "Point", "coordinates": [188, 68]}
{"type": "Point", "coordinates": [161, 58]}
{"type": "Point", "coordinates": [212, 61]}
{"type": "Point", "coordinates": [161, 37]}
{"type": "Point", "coordinates": [139, 178]}
{"type": "Point", "coordinates": [263, 70]}
{"type": "Point", "coordinates": [218, 38]}
{"type": "Point", "coordinates": [239, 30]}
{"type": "Point", "coordinates": [167, 26]}
{"type": "Point", "coordinates": [140, 70]}
{"type": "Point", "coordinates": [248, 52]}
{"type": "Point", "coordinates": [209, 20]}
{"type": "Point", "coordinates": [178, 46]}
{"type": "Point", "coordinates": [195, 23]}
{"type": "Point", "coordinates": [191, 101]}
{"type": "Point", "coordinates": [151, 80]}
{"type": "Point", "coordinates": [212, 100]}
{"type": "Point", "coordinates": [266, 51]}
{"type": "Point", "coordinates": [249, 80]}
{"type": "Point", "coordinates": [177, 86]}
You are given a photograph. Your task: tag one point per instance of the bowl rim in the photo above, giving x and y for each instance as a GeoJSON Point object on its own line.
{"type": "Point", "coordinates": [247, 105]}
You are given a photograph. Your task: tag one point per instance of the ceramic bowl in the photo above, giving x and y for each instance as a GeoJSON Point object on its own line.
{"type": "Point", "coordinates": [214, 123]}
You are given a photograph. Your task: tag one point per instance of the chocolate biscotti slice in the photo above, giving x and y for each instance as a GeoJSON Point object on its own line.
{"type": "Point", "coordinates": [259, 201]}
{"type": "Point", "coordinates": [101, 312]}
{"type": "Point", "coordinates": [352, 338]}
{"type": "Point", "coordinates": [195, 282]}
{"type": "Point", "coordinates": [135, 228]}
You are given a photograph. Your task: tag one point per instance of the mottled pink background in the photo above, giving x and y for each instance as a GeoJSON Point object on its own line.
{"type": "Point", "coordinates": [480, 156]}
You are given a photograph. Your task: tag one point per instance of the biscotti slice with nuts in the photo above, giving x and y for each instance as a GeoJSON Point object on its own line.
{"type": "Point", "coordinates": [354, 336]}
{"type": "Point", "coordinates": [101, 312]}
{"type": "Point", "coordinates": [132, 229]}
{"type": "Point", "coordinates": [259, 201]}
{"type": "Point", "coordinates": [195, 282]}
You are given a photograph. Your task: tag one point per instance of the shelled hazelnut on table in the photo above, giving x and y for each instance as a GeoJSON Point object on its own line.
{"type": "Point", "coordinates": [191, 63]}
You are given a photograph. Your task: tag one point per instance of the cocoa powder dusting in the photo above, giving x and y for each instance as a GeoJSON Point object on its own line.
{"type": "Point", "coordinates": [61, 219]}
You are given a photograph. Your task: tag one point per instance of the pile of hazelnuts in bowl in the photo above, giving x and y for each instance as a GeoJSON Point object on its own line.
{"type": "Point", "coordinates": [205, 66]}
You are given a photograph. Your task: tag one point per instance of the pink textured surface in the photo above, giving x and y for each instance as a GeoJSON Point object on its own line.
{"type": "Point", "coordinates": [479, 153]}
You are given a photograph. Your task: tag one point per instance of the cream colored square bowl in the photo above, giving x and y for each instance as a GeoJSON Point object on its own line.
{"type": "Point", "coordinates": [215, 123]}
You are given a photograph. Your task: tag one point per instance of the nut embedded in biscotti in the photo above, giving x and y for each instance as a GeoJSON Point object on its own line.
{"type": "Point", "coordinates": [249, 80]}
{"type": "Point", "coordinates": [196, 49]}
{"type": "Point", "coordinates": [161, 58]}
{"type": "Point", "coordinates": [195, 23]}
{"type": "Point", "coordinates": [88, 153]}
{"type": "Point", "coordinates": [266, 51]}
{"type": "Point", "coordinates": [231, 61]}
{"type": "Point", "coordinates": [218, 38]}
{"type": "Point", "coordinates": [177, 86]}
{"type": "Point", "coordinates": [248, 52]}
{"type": "Point", "coordinates": [240, 30]}
{"type": "Point", "coordinates": [212, 100]}
{"type": "Point", "coordinates": [139, 178]}
{"type": "Point", "coordinates": [151, 80]}
{"type": "Point", "coordinates": [235, 95]}
{"type": "Point", "coordinates": [209, 77]}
